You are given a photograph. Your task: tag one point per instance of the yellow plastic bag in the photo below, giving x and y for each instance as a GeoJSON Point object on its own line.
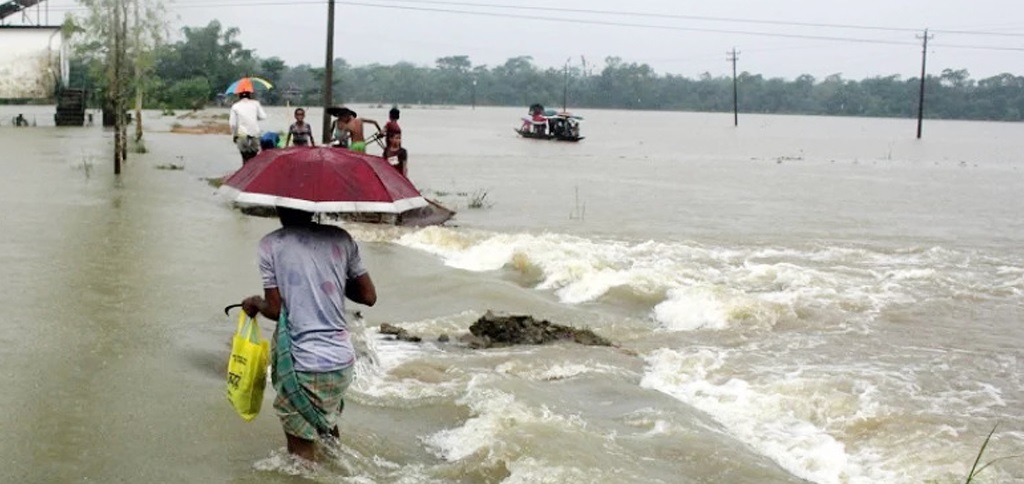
{"type": "Point", "coordinates": [247, 368]}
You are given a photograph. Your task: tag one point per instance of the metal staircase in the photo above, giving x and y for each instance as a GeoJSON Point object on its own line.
{"type": "Point", "coordinates": [70, 107]}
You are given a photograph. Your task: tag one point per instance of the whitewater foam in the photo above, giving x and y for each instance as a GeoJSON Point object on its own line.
{"type": "Point", "coordinates": [495, 414]}
{"type": "Point", "coordinates": [693, 287]}
{"type": "Point", "coordinates": [786, 421]}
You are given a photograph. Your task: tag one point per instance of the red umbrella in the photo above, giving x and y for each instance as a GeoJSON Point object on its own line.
{"type": "Point", "coordinates": [322, 180]}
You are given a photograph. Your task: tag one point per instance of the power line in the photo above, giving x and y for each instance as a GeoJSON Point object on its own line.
{"type": "Point", "coordinates": [549, 19]}
{"type": "Point", "coordinates": [616, 24]}
{"type": "Point", "coordinates": [634, 25]}
{"type": "Point", "coordinates": [978, 47]}
{"type": "Point", "coordinates": [677, 28]}
{"type": "Point", "coordinates": [979, 32]}
{"type": "Point", "coordinates": [660, 15]}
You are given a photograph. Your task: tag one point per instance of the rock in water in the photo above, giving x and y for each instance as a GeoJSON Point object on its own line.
{"type": "Point", "coordinates": [507, 330]}
{"type": "Point", "coordinates": [399, 333]}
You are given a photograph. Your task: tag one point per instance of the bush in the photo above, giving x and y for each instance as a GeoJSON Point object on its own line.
{"type": "Point", "coordinates": [186, 94]}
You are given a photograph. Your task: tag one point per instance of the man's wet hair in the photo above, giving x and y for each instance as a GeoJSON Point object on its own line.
{"type": "Point", "coordinates": [394, 113]}
{"type": "Point", "coordinates": [291, 216]}
{"type": "Point", "coordinates": [300, 110]}
{"type": "Point", "coordinates": [245, 95]}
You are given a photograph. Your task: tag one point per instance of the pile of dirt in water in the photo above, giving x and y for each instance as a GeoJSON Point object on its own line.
{"type": "Point", "coordinates": [207, 127]}
{"type": "Point", "coordinates": [204, 116]}
{"type": "Point", "coordinates": [497, 330]}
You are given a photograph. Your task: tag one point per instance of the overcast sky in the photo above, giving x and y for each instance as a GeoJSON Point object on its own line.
{"type": "Point", "coordinates": [420, 31]}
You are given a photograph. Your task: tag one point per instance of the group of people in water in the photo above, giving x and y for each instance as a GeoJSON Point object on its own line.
{"type": "Point", "coordinates": [347, 132]}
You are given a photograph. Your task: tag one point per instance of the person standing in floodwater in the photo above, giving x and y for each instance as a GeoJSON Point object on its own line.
{"type": "Point", "coordinates": [392, 128]}
{"type": "Point", "coordinates": [396, 155]}
{"type": "Point", "coordinates": [349, 122]}
{"type": "Point", "coordinates": [244, 120]}
{"type": "Point", "coordinates": [300, 132]}
{"type": "Point", "coordinates": [308, 270]}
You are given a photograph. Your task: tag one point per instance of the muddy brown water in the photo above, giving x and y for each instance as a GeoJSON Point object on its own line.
{"type": "Point", "coordinates": [801, 298]}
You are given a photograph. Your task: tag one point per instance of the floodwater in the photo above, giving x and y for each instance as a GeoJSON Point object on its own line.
{"type": "Point", "coordinates": [799, 299]}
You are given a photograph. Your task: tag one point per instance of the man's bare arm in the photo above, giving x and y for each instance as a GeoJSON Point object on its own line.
{"type": "Point", "coordinates": [372, 122]}
{"type": "Point", "coordinates": [269, 305]}
{"type": "Point", "coordinates": [361, 290]}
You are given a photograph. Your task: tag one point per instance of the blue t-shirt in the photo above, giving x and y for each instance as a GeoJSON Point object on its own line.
{"type": "Point", "coordinates": [310, 266]}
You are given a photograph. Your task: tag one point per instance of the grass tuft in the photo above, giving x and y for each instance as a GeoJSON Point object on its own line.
{"type": "Point", "coordinates": [975, 470]}
{"type": "Point", "coordinates": [479, 200]}
{"type": "Point", "coordinates": [170, 166]}
{"type": "Point", "coordinates": [215, 182]}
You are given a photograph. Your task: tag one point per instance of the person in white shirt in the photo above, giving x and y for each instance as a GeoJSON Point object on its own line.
{"type": "Point", "coordinates": [245, 127]}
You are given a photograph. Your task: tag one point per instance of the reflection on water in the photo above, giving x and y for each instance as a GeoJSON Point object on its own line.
{"type": "Point", "coordinates": [800, 298]}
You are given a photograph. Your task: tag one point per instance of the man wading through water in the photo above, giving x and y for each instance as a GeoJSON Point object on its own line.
{"type": "Point", "coordinates": [308, 270]}
{"type": "Point", "coordinates": [244, 120]}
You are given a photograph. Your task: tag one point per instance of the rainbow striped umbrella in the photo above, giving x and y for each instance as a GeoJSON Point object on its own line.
{"type": "Point", "coordinates": [247, 84]}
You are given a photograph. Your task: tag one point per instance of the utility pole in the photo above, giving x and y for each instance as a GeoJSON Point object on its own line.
{"type": "Point", "coordinates": [474, 93]}
{"type": "Point", "coordinates": [924, 60]}
{"type": "Point", "coordinates": [733, 57]}
{"type": "Point", "coordinates": [137, 50]}
{"type": "Point", "coordinates": [565, 88]}
{"type": "Point", "coordinates": [116, 87]}
{"type": "Point", "coordinates": [329, 73]}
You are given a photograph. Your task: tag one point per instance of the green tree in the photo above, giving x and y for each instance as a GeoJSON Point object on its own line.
{"type": "Point", "coordinates": [211, 52]}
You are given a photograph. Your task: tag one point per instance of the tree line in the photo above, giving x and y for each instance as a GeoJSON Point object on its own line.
{"type": "Point", "coordinates": [195, 70]}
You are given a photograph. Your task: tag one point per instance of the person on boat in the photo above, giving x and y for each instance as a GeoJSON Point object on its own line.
{"type": "Point", "coordinates": [300, 132]}
{"type": "Point", "coordinates": [392, 128]}
{"type": "Point", "coordinates": [573, 127]}
{"type": "Point", "coordinates": [557, 124]}
{"type": "Point", "coordinates": [538, 120]}
{"type": "Point", "coordinates": [535, 121]}
{"type": "Point", "coordinates": [350, 122]}
{"type": "Point", "coordinates": [309, 269]}
{"type": "Point", "coordinates": [396, 155]}
{"type": "Point", "coordinates": [244, 121]}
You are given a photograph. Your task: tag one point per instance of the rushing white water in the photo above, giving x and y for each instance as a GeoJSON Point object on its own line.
{"type": "Point", "coordinates": [829, 418]}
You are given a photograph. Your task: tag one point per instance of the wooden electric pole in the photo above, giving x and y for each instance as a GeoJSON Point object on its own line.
{"type": "Point", "coordinates": [733, 57]}
{"type": "Point", "coordinates": [329, 73]}
{"type": "Point", "coordinates": [116, 88]}
{"type": "Point", "coordinates": [924, 61]}
{"type": "Point", "coordinates": [565, 87]}
{"type": "Point", "coordinates": [137, 52]}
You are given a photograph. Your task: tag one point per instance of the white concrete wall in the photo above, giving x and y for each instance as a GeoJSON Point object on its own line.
{"type": "Point", "coordinates": [33, 61]}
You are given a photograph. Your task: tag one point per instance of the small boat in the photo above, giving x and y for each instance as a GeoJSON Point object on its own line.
{"type": "Point", "coordinates": [550, 125]}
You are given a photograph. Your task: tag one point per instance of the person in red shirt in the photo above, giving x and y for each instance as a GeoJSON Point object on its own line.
{"type": "Point", "coordinates": [396, 155]}
{"type": "Point", "coordinates": [392, 128]}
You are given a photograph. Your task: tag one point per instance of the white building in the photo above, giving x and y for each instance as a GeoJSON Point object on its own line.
{"type": "Point", "coordinates": [33, 62]}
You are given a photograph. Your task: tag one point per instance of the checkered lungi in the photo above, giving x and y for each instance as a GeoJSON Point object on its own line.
{"type": "Point", "coordinates": [308, 403]}
{"type": "Point", "coordinates": [324, 391]}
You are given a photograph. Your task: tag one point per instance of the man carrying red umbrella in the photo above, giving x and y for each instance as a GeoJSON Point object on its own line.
{"type": "Point", "coordinates": [308, 271]}
{"type": "Point", "coordinates": [244, 121]}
